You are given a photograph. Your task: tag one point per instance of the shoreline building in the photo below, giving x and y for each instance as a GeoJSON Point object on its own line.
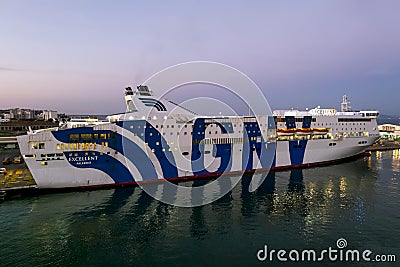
{"type": "Point", "coordinates": [389, 132]}
{"type": "Point", "coordinates": [28, 114]}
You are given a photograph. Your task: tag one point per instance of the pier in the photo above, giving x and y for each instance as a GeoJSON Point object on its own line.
{"type": "Point", "coordinates": [17, 178]}
{"type": "Point", "coordinates": [384, 146]}
{"type": "Point", "coordinates": [8, 140]}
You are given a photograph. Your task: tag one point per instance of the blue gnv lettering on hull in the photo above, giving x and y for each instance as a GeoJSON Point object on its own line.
{"type": "Point", "coordinates": [297, 148]}
{"type": "Point", "coordinates": [222, 151]}
{"type": "Point", "coordinates": [156, 142]}
{"type": "Point", "coordinates": [256, 143]}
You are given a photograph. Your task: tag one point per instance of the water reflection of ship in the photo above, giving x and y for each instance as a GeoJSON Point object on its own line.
{"type": "Point", "coordinates": [376, 160]}
{"type": "Point", "coordinates": [310, 195]}
{"type": "Point", "coordinates": [49, 223]}
{"type": "Point", "coordinates": [309, 189]}
{"type": "Point", "coordinates": [318, 193]}
{"type": "Point", "coordinates": [396, 160]}
{"type": "Point", "coordinates": [296, 181]}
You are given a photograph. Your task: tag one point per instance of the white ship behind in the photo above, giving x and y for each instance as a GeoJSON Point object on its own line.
{"type": "Point", "coordinates": [148, 143]}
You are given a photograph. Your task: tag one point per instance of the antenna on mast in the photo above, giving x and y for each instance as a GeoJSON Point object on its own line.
{"type": "Point", "coordinates": [345, 104]}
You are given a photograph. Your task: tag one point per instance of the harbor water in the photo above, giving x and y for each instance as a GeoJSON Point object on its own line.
{"type": "Point", "coordinates": [311, 208]}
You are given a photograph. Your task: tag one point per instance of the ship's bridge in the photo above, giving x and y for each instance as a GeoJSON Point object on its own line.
{"type": "Point", "coordinates": [318, 111]}
{"type": "Point", "coordinates": [372, 114]}
{"type": "Point", "coordinates": [325, 112]}
{"type": "Point", "coordinates": [364, 113]}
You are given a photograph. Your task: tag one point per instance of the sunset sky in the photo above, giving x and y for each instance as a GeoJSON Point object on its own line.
{"type": "Point", "coordinates": [77, 56]}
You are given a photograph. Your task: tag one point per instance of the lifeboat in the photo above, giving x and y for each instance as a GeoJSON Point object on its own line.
{"type": "Point", "coordinates": [285, 132]}
{"type": "Point", "coordinates": [320, 131]}
{"type": "Point", "coordinates": [303, 131]}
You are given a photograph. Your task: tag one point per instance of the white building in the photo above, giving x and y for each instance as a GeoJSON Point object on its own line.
{"type": "Point", "coordinates": [389, 131]}
{"type": "Point", "coordinates": [49, 114]}
{"type": "Point", "coordinates": [8, 116]}
{"type": "Point", "coordinates": [27, 114]}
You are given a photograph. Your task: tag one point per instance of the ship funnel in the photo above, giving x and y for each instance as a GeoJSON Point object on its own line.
{"type": "Point", "coordinates": [130, 105]}
{"type": "Point", "coordinates": [143, 90]}
{"type": "Point", "coordinates": [128, 91]}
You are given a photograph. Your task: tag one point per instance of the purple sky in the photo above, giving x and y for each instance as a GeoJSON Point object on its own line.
{"type": "Point", "coordinates": [77, 56]}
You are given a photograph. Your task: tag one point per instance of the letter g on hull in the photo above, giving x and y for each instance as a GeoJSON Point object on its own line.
{"type": "Point", "coordinates": [241, 86]}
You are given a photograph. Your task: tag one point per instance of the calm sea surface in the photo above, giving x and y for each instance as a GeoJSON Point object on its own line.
{"type": "Point", "coordinates": [300, 209]}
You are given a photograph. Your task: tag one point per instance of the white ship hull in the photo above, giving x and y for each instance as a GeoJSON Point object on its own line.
{"type": "Point", "coordinates": [133, 149]}
{"type": "Point", "coordinates": [59, 171]}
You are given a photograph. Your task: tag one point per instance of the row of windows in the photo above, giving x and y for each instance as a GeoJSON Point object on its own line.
{"type": "Point", "coordinates": [351, 129]}
{"type": "Point", "coordinates": [200, 126]}
{"type": "Point", "coordinates": [191, 133]}
{"type": "Point", "coordinates": [371, 114]}
{"type": "Point", "coordinates": [345, 134]}
{"type": "Point", "coordinates": [21, 128]}
{"type": "Point", "coordinates": [351, 124]}
{"type": "Point", "coordinates": [186, 153]}
{"type": "Point", "coordinates": [227, 140]}
{"type": "Point", "coordinates": [162, 126]}
{"type": "Point", "coordinates": [353, 119]}
{"type": "Point", "coordinates": [303, 137]}
{"type": "Point", "coordinates": [159, 126]}
{"type": "Point", "coordinates": [38, 146]}
{"type": "Point", "coordinates": [330, 124]}
{"type": "Point", "coordinates": [291, 119]}
{"type": "Point", "coordinates": [89, 136]}
{"type": "Point", "coordinates": [83, 146]}
{"type": "Point", "coordinates": [51, 155]}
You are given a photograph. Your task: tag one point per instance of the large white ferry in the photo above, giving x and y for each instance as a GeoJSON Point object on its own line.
{"type": "Point", "coordinates": [149, 143]}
